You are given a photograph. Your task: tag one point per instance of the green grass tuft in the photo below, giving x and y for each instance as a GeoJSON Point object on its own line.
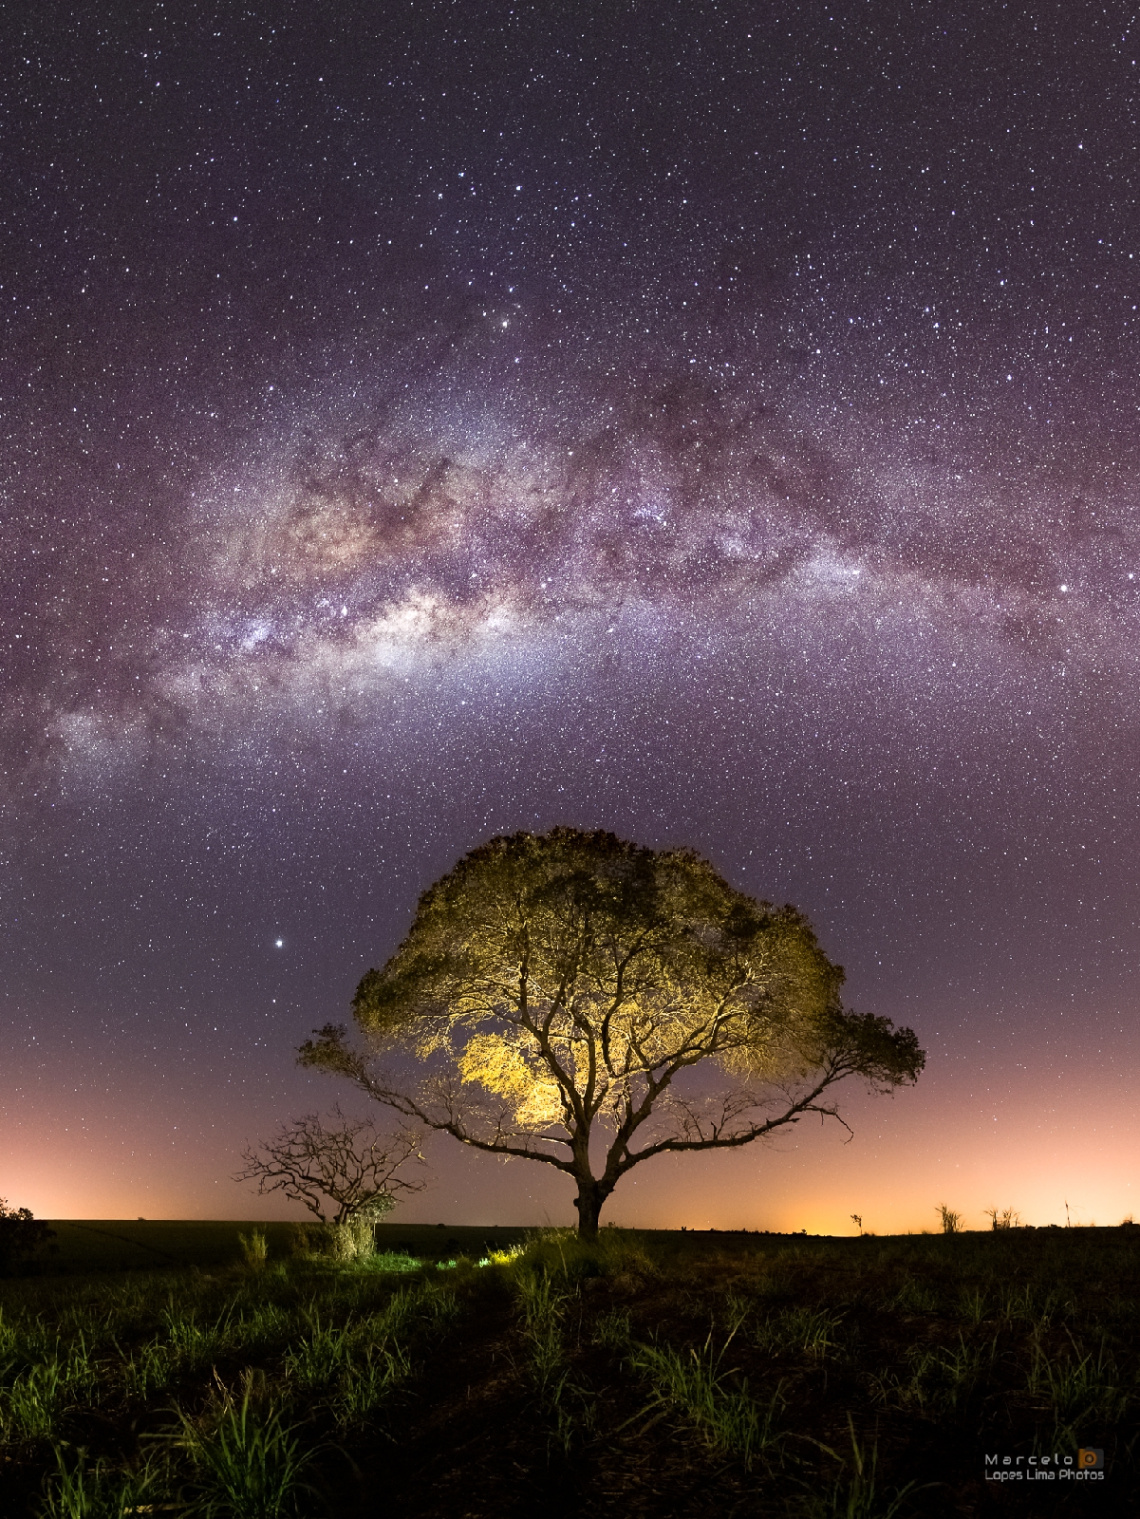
{"type": "Point", "coordinates": [714, 1400]}
{"type": "Point", "coordinates": [247, 1462]}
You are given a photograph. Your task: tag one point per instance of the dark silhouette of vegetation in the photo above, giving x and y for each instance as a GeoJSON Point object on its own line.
{"type": "Point", "coordinates": [343, 1172]}
{"type": "Point", "coordinates": [1003, 1218]}
{"type": "Point", "coordinates": [645, 1373]}
{"type": "Point", "coordinates": [21, 1236]}
{"type": "Point", "coordinates": [559, 988]}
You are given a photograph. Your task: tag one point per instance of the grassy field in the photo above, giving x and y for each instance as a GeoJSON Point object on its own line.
{"type": "Point", "coordinates": [89, 1245]}
{"type": "Point", "coordinates": [460, 1373]}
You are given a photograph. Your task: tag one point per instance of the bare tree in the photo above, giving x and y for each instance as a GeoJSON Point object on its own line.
{"type": "Point", "coordinates": [557, 991]}
{"type": "Point", "coordinates": [951, 1221]}
{"type": "Point", "coordinates": [346, 1165]}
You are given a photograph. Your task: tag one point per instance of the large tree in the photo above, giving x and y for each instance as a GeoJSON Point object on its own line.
{"type": "Point", "coordinates": [558, 990]}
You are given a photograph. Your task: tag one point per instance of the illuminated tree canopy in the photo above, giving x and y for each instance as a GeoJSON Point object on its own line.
{"type": "Point", "coordinates": [557, 989]}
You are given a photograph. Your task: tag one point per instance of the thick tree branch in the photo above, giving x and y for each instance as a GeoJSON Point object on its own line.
{"type": "Point", "coordinates": [330, 1052]}
{"type": "Point", "coordinates": [720, 1140]}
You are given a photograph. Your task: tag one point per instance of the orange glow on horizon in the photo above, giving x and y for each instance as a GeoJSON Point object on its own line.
{"type": "Point", "coordinates": [908, 1154]}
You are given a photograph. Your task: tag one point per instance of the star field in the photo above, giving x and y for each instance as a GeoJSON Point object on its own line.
{"type": "Point", "coordinates": [443, 419]}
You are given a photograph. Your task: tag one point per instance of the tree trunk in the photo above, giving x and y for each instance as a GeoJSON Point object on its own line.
{"type": "Point", "coordinates": [591, 1196]}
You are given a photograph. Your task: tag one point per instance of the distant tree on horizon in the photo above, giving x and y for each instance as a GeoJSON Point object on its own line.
{"type": "Point", "coordinates": [346, 1167]}
{"type": "Point", "coordinates": [558, 989]}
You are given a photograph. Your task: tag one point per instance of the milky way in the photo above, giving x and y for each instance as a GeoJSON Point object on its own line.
{"type": "Point", "coordinates": [424, 425]}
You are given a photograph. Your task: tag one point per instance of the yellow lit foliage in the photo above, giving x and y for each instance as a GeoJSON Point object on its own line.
{"type": "Point", "coordinates": [567, 973]}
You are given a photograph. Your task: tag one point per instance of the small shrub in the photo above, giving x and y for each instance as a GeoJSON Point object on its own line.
{"type": "Point", "coordinates": [254, 1250]}
{"type": "Point", "coordinates": [21, 1236]}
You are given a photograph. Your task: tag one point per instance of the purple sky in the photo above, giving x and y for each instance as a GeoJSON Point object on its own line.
{"type": "Point", "coordinates": [709, 422]}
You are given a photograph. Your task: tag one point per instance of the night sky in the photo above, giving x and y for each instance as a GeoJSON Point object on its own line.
{"type": "Point", "coordinates": [714, 422]}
